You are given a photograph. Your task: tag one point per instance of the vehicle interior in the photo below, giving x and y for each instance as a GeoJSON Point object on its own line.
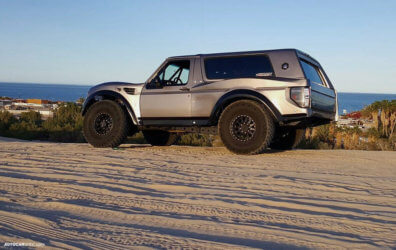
{"type": "Point", "coordinates": [174, 73]}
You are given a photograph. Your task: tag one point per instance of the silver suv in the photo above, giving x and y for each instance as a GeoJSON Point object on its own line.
{"type": "Point", "coordinates": [253, 100]}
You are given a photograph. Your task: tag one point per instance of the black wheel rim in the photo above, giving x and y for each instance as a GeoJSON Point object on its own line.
{"type": "Point", "coordinates": [103, 124]}
{"type": "Point", "coordinates": [243, 128]}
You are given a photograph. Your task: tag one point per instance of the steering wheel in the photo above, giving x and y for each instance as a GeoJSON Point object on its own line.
{"type": "Point", "coordinates": [178, 81]}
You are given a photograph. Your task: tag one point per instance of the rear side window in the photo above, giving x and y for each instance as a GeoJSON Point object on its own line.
{"type": "Point", "coordinates": [237, 67]}
{"type": "Point", "coordinates": [311, 72]}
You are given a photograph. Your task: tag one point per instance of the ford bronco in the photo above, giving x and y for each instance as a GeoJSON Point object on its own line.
{"type": "Point", "coordinates": [253, 100]}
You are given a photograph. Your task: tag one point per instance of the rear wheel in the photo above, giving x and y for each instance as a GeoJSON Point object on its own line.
{"type": "Point", "coordinates": [160, 137]}
{"type": "Point", "coordinates": [105, 124]}
{"type": "Point", "coordinates": [246, 127]}
{"type": "Point", "coordinates": [287, 138]}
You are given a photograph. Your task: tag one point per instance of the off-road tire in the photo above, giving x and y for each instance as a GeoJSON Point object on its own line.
{"type": "Point", "coordinates": [160, 137]}
{"type": "Point", "coordinates": [255, 142]}
{"type": "Point", "coordinates": [287, 138]}
{"type": "Point", "coordinates": [112, 135]}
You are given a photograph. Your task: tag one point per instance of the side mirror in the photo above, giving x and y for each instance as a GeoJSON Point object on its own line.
{"type": "Point", "coordinates": [158, 82]}
{"type": "Point", "coordinates": [155, 83]}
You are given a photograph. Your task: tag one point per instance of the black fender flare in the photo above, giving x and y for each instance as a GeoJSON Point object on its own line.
{"type": "Point", "coordinates": [240, 94]}
{"type": "Point", "coordinates": [109, 95]}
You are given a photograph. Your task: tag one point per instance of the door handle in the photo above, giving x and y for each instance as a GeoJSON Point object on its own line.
{"type": "Point", "coordinates": [184, 89]}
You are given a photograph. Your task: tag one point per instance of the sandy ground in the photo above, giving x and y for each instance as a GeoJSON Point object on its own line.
{"type": "Point", "coordinates": [75, 196]}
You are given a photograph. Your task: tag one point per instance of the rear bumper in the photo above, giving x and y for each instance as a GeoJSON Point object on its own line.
{"type": "Point", "coordinates": [321, 114]}
{"type": "Point", "coordinates": [311, 118]}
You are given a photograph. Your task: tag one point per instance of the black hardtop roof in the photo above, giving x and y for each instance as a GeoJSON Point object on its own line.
{"type": "Point", "coordinates": [299, 53]}
{"type": "Point", "coordinates": [239, 53]}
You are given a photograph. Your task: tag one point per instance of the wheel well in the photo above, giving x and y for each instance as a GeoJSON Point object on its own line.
{"type": "Point", "coordinates": [113, 97]}
{"type": "Point", "coordinates": [97, 98]}
{"type": "Point", "coordinates": [222, 104]}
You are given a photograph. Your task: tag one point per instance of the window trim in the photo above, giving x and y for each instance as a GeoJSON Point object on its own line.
{"type": "Point", "coordinates": [165, 64]}
{"type": "Point", "coordinates": [203, 66]}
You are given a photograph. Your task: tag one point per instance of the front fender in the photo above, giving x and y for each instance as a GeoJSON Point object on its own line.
{"type": "Point", "coordinates": [109, 95]}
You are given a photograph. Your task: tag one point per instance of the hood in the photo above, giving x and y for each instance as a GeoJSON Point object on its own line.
{"type": "Point", "coordinates": [114, 86]}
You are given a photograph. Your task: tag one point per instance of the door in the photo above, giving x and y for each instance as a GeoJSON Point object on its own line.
{"type": "Point", "coordinates": [167, 96]}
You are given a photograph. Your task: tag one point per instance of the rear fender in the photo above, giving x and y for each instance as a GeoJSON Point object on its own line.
{"type": "Point", "coordinates": [243, 94]}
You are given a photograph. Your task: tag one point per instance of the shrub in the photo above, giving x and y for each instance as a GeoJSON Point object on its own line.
{"type": "Point", "coordinates": [195, 140]}
{"type": "Point", "coordinates": [309, 143]}
{"type": "Point", "coordinates": [383, 114]}
{"type": "Point", "coordinates": [6, 119]}
{"type": "Point", "coordinates": [66, 124]}
{"type": "Point", "coordinates": [31, 117]}
{"type": "Point", "coordinates": [137, 138]}
{"type": "Point", "coordinates": [66, 116]}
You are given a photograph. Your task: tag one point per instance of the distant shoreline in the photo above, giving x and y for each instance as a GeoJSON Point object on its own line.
{"type": "Point", "coordinates": [91, 85]}
{"type": "Point", "coordinates": [60, 84]}
{"type": "Point", "coordinates": [348, 101]}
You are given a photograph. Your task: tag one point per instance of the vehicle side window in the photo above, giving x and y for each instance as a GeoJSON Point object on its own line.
{"type": "Point", "coordinates": [311, 72]}
{"type": "Point", "coordinates": [174, 73]}
{"type": "Point", "coordinates": [237, 67]}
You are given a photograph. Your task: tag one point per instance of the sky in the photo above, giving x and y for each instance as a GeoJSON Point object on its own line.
{"type": "Point", "coordinates": [89, 42]}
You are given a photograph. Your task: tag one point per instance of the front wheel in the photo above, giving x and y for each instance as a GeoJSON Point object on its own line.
{"type": "Point", "coordinates": [105, 124]}
{"type": "Point", "coordinates": [246, 127]}
{"type": "Point", "coordinates": [160, 137]}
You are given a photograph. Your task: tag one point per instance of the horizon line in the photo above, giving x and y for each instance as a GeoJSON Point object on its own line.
{"type": "Point", "coordinates": [82, 84]}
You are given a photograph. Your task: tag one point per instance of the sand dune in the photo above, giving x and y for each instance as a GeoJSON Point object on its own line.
{"type": "Point", "coordinates": [74, 196]}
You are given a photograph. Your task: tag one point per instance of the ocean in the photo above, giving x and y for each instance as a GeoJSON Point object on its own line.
{"type": "Point", "coordinates": [63, 92]}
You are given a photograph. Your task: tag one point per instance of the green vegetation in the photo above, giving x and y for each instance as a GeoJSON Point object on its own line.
{"type": "Point", "coordinates": [381, 136]}
{"type": "Point", "coordinates": [383, 114]}
{"type": "Point", "coordinates": [66, 126]}
{"type": "Point", "coordinates": [196, 140]}
{"type": "Point", "coordinates": [184, 139]}
{"type": "Point", "coordinates": [6, 120]}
